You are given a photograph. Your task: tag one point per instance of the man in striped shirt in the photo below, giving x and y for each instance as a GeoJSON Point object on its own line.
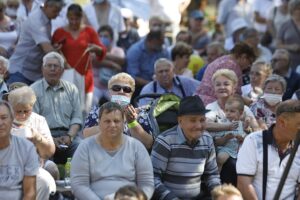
{"type": "Point", "coordinates": [184, 155]}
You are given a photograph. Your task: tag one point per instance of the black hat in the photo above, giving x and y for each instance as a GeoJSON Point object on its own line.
{"type": "Point", "coordinates": [191, 105]}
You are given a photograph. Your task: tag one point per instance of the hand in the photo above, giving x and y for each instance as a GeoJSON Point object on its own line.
{"type": "Point", "coordinates": [66, 140]}
{"type": "Point", "coordinates": [232, 126]}
{"type": "Point", "coordinates": [239, 138]}
{"type": "Point", "coordinates": [34, 136]}
{"type": "Point", "coordinates": [130, 113]}
{"type": "Point", "coordinates": [57, 141]}
{"type": "Point", "coordinates": [94, 48]}
{"type": "Point", "coordinates": [229, 136]}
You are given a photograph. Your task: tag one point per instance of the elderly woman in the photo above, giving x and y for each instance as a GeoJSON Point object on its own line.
{"type": "Point", "coordinates": [35, 128]}
{"type": "Point", "coordinates": [259, 72]}
{"type": "Point", "coordinates": [121, 87]}
{"type": "Point", "coordinates": [224, 82]}
{"type": "Point", "coordinates": [109, 160]}
{"type": "Point", "coordinates": [18, 160]}
{"type": "Point", "coordinates": [264, 109]}
{"type": "Point", "coordinates": [239, 60]}
{"type": "Point", "coordinates": [289, 34]}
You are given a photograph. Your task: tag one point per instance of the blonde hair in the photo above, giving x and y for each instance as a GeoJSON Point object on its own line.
{"type": "Point", "coordinates": [266, 67]}
{"type": "Point", "coordinates": [23, 96]}
{"type": "Point", "coordinates": [225, 190]}
{"type": "Point", "coordinates": [231, 75]}
{"type": "Point", "coordinates": [124, 77]}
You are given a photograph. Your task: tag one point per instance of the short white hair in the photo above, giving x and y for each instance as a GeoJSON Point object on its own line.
{"type": "Point", "coordinates": [54, 55]}
{"type": "Point", "coordinates": [163, 61]}
{"type": "Point", "coordinates": [4, 61]}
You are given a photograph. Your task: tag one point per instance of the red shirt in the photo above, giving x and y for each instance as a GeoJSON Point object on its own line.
{"type": "Point", "coordinates": [73, 50]}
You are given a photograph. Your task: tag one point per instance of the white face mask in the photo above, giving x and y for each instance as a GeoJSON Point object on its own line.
{"type": "Point", "coordinates": [20, 123]}
{"type": "Point", "coordinates": [272, 99]}
{"type": "Point", "coordinates": [120, 99]}
{"type": "Point", "coordinates": [11, 12]}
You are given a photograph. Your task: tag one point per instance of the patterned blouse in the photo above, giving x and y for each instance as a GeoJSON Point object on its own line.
{"type": "Point", "coordinates": [261, 112]}
{"type": "Point", "coordinates": [143, 119]}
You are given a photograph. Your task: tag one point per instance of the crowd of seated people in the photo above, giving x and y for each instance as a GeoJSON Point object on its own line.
{"type": "Point", "coordinates": [70, 74]}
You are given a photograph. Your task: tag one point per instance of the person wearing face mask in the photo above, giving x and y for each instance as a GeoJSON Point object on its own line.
{"type": "Point", "coordinates": [101, 12]}
{"type": "Point", "coordinates": [34, 127]}
{"type": "Point", "coordinates": [109, 66]}
{"type": "Point", "coordinates": [264, 108]}
{"type": "Point", "coordinates": [12, 8]}
{"type": "Point", "coordinates": [79, 44]}
{"type": "Point", "coordinates": [120, 88]}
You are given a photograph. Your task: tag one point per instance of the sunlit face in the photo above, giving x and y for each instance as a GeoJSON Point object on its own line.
{"type": "Point", "coordinates": [52, 71]}
{"type": "Point", "coordinates": [232, 112]}
{"type": "Point", "coordinates": [192, 126]}
{"type": "Point", "coordinates": [22, 112]}
{"type": "Point", "coordinates": [273, 87]}
{"type": "Point", "coordinates": [291, 125]}
{"type": "Point", "coordinates": [113, 90]}
{"type": "Point", "coordinates": [223, 87]}
{"type": "Point", "coordinates": [5, 122]}
{"type": "Point", "coordinates": [74, 21]}
{"type": "Point", "coordinates": [257, 75]}
{"type": "Point", "coordinates": [111, 124]}
{"type": "Point", "coordinates": [164, 74]}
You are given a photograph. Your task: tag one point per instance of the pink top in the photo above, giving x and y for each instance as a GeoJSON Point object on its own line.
{"type": "Point", "coordinates": [206, 90]}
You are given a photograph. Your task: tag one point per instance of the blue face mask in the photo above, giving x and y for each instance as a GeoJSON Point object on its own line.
{"type": "Point", "coordinates": [120, 99]}
{"type": "Point", "coordinates": [106, 41]}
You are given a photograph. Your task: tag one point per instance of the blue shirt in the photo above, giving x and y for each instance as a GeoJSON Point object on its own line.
{"type": "Point", "coordinates": [188, 85]}
{"type": "Point", "coordinates": [140, 61]}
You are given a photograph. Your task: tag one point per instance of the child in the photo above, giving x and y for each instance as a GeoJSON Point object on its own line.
{"type": "Point", "coordinates": [227, 142]}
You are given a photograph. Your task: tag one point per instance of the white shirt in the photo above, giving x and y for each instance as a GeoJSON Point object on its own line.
{"type": "Point", "coordinates": [250, 162]}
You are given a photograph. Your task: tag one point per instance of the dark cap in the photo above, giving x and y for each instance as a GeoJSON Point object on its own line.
{"type": "Point", "coordinates": [191, 105]}
{"type": "Point", "coordinates": [197, 14]}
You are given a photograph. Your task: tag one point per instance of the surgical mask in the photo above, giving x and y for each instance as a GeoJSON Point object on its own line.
{"type": "Point", "coordinates": [17, 122]}
{"type": "Point", "coordinates": [98, 1]}
{"type": "Point", "coordinates": [106, 41]}
{"type": "Point", "coordinates": [272, 99]}
{"type": "Point", "coordinates": [11, 12]}
{"type": "Point", "coordinates": [120, 99]}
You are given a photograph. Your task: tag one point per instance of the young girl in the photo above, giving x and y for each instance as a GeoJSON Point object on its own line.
{"type": "Point", "coordinates": [228, 142]}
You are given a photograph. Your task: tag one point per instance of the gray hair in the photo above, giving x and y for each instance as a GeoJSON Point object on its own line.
{"type": "Point", "coordinates": [109, 107]}
{"type": "Point", "coordinates": [162, 61]}
{"type": "Point", "coordinates": [275, 78]}
{"type": "Point", "coordinates": [217, 45]}
{"type": "Point", "coordinates": [22, 96]}
{"type": "Point", "coordinates": [54, 55]}
{"type": "Point", "coordinates": [293, 5]}
{"type": "Point", "coordinates": [4, 61]}
{"type": "Point", "coordinates": [8, 106]}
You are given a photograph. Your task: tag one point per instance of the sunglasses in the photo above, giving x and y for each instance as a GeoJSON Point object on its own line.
{"type": "Point", "coordinates": [117, 88]}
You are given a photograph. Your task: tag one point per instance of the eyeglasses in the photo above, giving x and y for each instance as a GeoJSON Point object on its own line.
{"type": "Point", "coordinates": [50, 66]}
{"type": "Point", "coordinates": [117, 88]}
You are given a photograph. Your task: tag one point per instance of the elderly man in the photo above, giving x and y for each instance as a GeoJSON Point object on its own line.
{"type": "Point", "coordinates": [18, 160]}
{"type": "Point", "coordinates": [167, 82]}
{"type": "Point", "coordinates": [58, 101]}
{"type": "Point", "coordinates": [281, 66]}
{"type": "Point", "coordinates": [109, 160]}
{"type": "Point", "coordinates": [184, 155]}
{"type": "Point", "coordinates": [34, 42]}
{"type": "Point", "coordinates": [264, 156]}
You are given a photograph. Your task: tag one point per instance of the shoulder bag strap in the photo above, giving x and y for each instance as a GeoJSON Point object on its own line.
{"type": "Point", "coordinates": [265, 163]}
{"type": "Point", "coordinates": [180, 86]}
